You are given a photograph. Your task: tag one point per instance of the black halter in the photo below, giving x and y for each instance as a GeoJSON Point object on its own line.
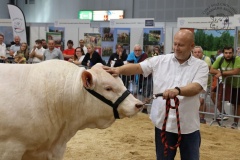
{"type": "Point", "coordinates": [113, 105]}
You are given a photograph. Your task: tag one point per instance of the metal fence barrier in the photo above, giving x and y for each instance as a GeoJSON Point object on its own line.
{"type": "Point", "coordinates": [227, 99]}
{"type": "Point", "coordinates": [219, 101]}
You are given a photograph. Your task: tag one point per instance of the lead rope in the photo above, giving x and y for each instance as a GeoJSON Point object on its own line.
{"type": "Point", "coordinates": [163, 133]}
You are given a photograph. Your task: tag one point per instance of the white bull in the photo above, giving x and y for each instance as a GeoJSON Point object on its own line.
{"type": "Point", "coordinates": [43, 105]}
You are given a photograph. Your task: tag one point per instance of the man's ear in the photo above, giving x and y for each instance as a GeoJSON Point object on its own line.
{"type": "Point", "coordinates": [87, 80]}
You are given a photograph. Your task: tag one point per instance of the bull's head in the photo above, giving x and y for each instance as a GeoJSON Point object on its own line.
{"type": "Point", "coordinates": [111, 91]}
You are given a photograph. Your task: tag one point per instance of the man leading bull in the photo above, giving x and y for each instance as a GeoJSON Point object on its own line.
{"type": "Point", "coordinates": [175, 75]}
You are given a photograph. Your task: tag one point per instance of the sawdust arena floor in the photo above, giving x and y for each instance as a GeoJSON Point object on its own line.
{"type": "Point", "coordinates": [133, 139]}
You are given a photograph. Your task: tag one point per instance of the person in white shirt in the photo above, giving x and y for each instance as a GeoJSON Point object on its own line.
{"type": "Point", "coordinates": [81, 43]}
{"type": "Point", "coordinates": [16, 47]}
{"type": "Point", "coordinates": [2, 48]}
{"type": "Point", "coordinates": [175, 75]}
{"type": "Point", "coordinates": [37, 52]}
{"type": "Point", "coordinates": [78, 56]}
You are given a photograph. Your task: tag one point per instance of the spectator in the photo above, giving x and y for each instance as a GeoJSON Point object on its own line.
{"type": "Point", "coordinates": [69, 52]}
{"type": "Point", "coordinates": [78, 56]}
{"type": "Point", "coordinates": [144, 88]}
{"type": "Point", "coordinates": [92, 57]}
{"type": "Point", "coordinates": [212, 57]}
{"type": "Point", "coordinates": [238, 52]}
{"type": "Point", "coordinates": [52, 52]}
{"type": "Point", "coordinates": [230, 66]}
{"type": "Point", "coordinates": [21, 56]}
{"type": "Point", "coordinates": [118, 58]}
{"type": "Point", "coordinates": [181, 75]}
{"type": "Point", "coordinates": [81, 43]}
{"type": "Point", "coordinates": [3, 49]}
{"type": "Point", "coordinates": [137, 56]}
{"type": "Point", "coordinates": [219, 54]}
{"type": "Point", "coordinates": [198, 53]}
{"type": "Point", "coordinates": [16, 46]}
{"type": "Point", "coordinates": [37, 52]}
{"type": "Point", "coordinates": [44, 44]}
{"type": "Point", "coordinates": [156, 51]}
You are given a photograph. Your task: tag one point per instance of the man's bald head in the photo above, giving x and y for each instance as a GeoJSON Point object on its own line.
{"type": "Point", "coordinates": [187, 34]}
{"type": "Point", "coordinates": [183, 44]}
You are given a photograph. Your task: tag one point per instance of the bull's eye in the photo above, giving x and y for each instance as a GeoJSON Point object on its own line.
{"type": "Point", "coordinates": [109, 88]}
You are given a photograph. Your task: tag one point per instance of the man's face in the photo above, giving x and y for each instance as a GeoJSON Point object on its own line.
{"type": "Point", "coordinates": [197, 52]}
{"type": "Point", "coordinates": [182, 46]}
{"type": "Point", "coordinates": [17, 40]}
{"type": "Point", "coordinates": [137, 51]}
{"type": "Point", "coordinates": [51, 44]}
{"type": "Point", "coordinates": [44, 43]}
{"type": "Point", "coordinates": [39, 45]}
{"type": "Point", "coordinates": [70, 46]}
{"type": "Point", "coordinates": [228, 54]}
{"type": "Point", "coordinates": [81, 43]}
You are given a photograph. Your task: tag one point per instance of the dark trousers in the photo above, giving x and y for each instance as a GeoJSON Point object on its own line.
{"type": "Point", "coordinates": [189, 146]}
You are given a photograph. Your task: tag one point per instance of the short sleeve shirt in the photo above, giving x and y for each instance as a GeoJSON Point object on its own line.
{"type": "Point", "coordinates": [54, 54]}
{"type": "Point", "coordinates": [168, 73]}
{"type": "Point", "coordinates": [3, 49]}
{"type": "Point", "coordinates": [226, 66]}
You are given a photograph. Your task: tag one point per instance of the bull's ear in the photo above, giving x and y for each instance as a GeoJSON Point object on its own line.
{"type": "Point", "coordinates": [87, 80]}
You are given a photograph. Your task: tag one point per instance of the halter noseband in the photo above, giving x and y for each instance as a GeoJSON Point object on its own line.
{"type": "Point", "coordinates": [113, 105]}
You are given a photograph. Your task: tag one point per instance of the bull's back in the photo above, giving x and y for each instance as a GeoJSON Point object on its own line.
{"type": "Point", "coordinates": [30, 93]}
{"type": "Point", "coordinates": [19, 75]}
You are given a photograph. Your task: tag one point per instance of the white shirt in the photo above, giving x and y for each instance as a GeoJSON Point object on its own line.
{"type": "Point", "coordinates": [40, 52]}
{"type": "Point", "coordinates": [3, 50]}
{"type": "Point", "coordinates": [85, 49]}
{"type": "Point", "coordinates": [168, 73]}
{"type": "Point", "coordinates": [81, 58]}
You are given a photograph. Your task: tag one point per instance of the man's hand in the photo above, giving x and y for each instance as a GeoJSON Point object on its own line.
{"type": "Point", "coordinates": [170, 93]}
{"type": "Point", "coordinates": [218, 75]}
{"type": "Point", "coordinates": [112, 70]}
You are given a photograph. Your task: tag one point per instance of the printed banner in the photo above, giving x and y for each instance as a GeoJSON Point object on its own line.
{"type": "Point", "coordinates": [211, 22]}
{"type": "Point", "coordinates": [132, 23]}
{"type": "Point", "coordinates": [72, 23]}
{"type": "Point", "coordinates": [18, 22]}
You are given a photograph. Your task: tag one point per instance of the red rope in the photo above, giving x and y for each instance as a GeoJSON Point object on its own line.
{"type": "Point", "coordinates": [163, 133]}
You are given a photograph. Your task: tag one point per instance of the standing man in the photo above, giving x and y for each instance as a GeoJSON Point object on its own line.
{"type": "Point", "coordinates": [52, 52]}
{"type": "Point", "coordinates": [180, 75]}
{"type": "Point", "coordinates": [229, 66]}
{"type": "Point", "coordinates": [2, 48]}
{"type": "Point", "coordinates": [16, 47]}
{"type": "Point", "coordinates": [81, 43]}
{"type": "Point", "coordinates": [37, 52]}
{"type": "Point", "coordinates": [198, 53]}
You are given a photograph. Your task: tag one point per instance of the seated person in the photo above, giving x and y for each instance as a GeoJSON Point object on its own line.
{"type": "Point", "coordinates": [69, 52]}
{"type": "Point", "coordinates": [117, 59]}
{"type": "Point", "coordinates": [21, 55]}
{"type": "Point", "coordinates": [78, 56]}
{"type": "Point", "coordinates": [92, 57]}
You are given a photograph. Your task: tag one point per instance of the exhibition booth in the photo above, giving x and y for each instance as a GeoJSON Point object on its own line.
{"type": "Point", "coordinates": [210, 32]}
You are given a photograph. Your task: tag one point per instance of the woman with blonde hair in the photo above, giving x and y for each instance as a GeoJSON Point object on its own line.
{"type": "Point", "coordinates": [92, 57]}
{"type": "Point", "coordinates": [21, 56]}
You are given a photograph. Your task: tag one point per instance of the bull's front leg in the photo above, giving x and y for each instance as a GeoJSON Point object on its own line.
{"type": "Point", "coordinates": [11, 150]}
{"type": "Point", "coordinates": [57, 152]}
